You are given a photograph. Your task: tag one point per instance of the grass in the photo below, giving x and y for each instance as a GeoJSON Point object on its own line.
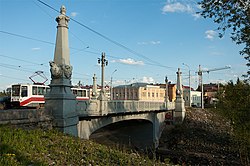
{"type": "Point", "coordinates": [39, 147]}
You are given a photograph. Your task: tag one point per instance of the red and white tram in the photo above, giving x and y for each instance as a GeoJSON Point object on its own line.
{"type": "Point", "coordinates": [32, 95]}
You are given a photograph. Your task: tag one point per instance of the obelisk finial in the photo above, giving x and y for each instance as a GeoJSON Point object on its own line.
{"type": "Point", "coordinates": [61, 65]}
{"type": "Point", "coordinates": [63, 10]}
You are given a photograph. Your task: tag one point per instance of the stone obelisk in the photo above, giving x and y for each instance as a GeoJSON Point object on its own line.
{"type": "Point", "coordinates": [60, 100]}
{"type": "Point", "coordinates": [179, 113]}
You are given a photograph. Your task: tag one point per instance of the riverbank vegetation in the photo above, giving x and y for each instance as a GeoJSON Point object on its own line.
{"type": "Point", "coordinates": [39, 147]}
{"type": "Point", "coordinates": [214, 136]}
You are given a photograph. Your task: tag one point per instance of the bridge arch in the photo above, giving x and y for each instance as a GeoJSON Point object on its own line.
{"type": "Point", "coordinates": [133, 133]}
{"type": "Point", "coordinates": [87, 127]}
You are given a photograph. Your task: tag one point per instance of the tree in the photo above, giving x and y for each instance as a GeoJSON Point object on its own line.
{"type": "Point", "coordinates": [233, 15]}
{"type": "Point", "coordinates": [234, 102]}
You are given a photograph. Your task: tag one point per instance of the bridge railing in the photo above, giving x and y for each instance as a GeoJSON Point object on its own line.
{"type": "Point", "coordinates": [121, 106]}
{"type": "Point", "coordinates": [118, 106]}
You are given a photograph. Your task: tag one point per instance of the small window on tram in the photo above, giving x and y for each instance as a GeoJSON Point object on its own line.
{"type": "Point", "coordinates": [79, 93]}
{"type": "Point", "coordinates": [15, 90]}
{"type": "Point", "coordinates": [74, 92]}
{"type": "Point", "coordinates": [47, 90]}
{"type": "Point", "coordinates": [84, 93]}
{"type": "Point", "coordinates": [41, 90]}
{"type": "Point", "coordinates": [34, 90]}
{"type": "Point", "coordinates": [24, 91]}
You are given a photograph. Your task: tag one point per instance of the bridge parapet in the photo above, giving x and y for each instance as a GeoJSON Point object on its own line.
{"type": "Point", "coordinates": [122, 106]}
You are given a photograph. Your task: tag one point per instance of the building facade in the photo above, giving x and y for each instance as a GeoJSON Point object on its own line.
{"type": "Point", "coordinates": [139, 91]}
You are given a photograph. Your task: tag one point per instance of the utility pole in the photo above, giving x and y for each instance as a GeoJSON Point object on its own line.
{"type": "Point", "coordinates": [102, 96]}
{"type": "Point", "coordinates": [200, 71]}
{"type": "Point", "coordinates": [189, 81]}
{"type": "Point", "coordinates": [103, 63]}
{"type": "Point", "coordinates": [201, 86]}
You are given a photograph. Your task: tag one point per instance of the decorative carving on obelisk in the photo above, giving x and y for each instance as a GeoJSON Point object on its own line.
{"type": "Point", "coordinates": [61, 67]}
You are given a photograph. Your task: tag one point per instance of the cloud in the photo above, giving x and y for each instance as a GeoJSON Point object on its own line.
{"type": "Point", "coordinates": [35, 49]}
{"type": "Point", "coordinates": [215, 53]}
{"type": "Point", "coordinates": [181, 6]}
{"type": "Point", "coordinates": [150, 42]}
{"type": "Point", "coordinates": [129, 61]}
{"type": "Point", "coordinates": [73, 14]}
{"type": "Point", "coordinates": [196, 16]}
{"type": "Point", "coordinates": [147, 80]}
{"type": "Point", "coordinates": [172, 7]}
{"type": "Point", "coordinates": [210, 34]}
{"type": "Point", "coordinates": [155, 42]}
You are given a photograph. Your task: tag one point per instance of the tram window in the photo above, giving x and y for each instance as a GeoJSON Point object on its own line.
{"type": "Point", "coordinates": [41, 90]}
{"type": "Point", "coordinates": [15, 90]}
{"type": "Point", "coordinates": [24, 91]}
{"type": "Point", "coordinates": [84, 93]}
{"type": "Point", "coordinates": [79, 93]}
{"type": "Point", "coordinates": [75, 92]}
{"type": "Point", "coordinates": [47, 90]}
{"type": "Point", "coordinates": [34, 90]}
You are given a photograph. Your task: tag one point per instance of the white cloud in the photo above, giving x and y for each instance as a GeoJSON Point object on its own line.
{"type": "Point", "coordinates": [172, 7]}
{"type": "Point", "coordinates": [142, 43]}
{"type": "Point", "coordinates": [150, 42]}
{"type": "Point", "coordinates": [147, 79]}
{"type": "Point", "coordinates": [181, 6]}
{"type": "Point", "coordinates": [215, 53]}
{"type": "Point", "coordinates": [35, 49]}
{"type": "Point", "coordinates": [210, 34]}
{"type": "Point", "coordinates": [196, 16]}
{"type": "Point", "coordinates": [129, 61]}
{"type": "Point", "coordinates": [73, 14]}
{"type": "Point", "coordinates": [155, 42]}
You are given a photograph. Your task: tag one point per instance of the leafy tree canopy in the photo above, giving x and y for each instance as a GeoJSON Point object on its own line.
{"type": "Point", "coordinates": [234, 15]}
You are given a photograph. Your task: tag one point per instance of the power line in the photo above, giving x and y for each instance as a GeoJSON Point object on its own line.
{"type": "Point", "coordinates": [30, 38]}
{"type": "Point", "coordinates": [20, 60]}
{"type": "Point", "coordinates": [13, 78]}
{"type": "Point", "coordinates": [25, 37]}
{"type": "Point", "coordinates": [16, 68]}
{"type": "Point", "coordinates": [108, 39]}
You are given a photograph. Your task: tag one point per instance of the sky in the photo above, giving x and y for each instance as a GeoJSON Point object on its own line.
{"type": "Point", "coordinates": [151, 39]}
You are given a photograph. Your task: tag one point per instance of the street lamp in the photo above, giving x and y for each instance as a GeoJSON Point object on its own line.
{"type": "Point", "coordinates": [189, 77]}
{"type": "Point", "coordinates": [111, 81]}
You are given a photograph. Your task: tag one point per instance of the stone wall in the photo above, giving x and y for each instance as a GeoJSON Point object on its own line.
{"type": "Point", "coordinates": [26, 117]}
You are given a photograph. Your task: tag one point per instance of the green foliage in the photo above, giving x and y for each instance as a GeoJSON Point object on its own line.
{"type": "Point", "coordinates": [235, 104]}
{"type": "Point", "coordinates": [233, 15]}
{"type": "Point", "coordinates": [38, 147]}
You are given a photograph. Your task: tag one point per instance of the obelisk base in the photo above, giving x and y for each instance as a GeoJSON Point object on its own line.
{"type": "Point", "coordinates": [61, 102]}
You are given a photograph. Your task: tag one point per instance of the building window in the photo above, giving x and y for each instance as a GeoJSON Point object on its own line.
{"type": "Point", "coordinates": [148, 94]}
{"type": "Point", "coordinates": [153, 94]}
{"type": "Point", "coordinates": [157, 95]}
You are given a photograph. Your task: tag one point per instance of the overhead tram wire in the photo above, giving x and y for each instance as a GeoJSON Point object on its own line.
{"type": "Point", "coordinates": [30, 38]}
{"type": "Point", "coordinates": [20, 60]}
{"type": "Point", "coordinates": [43, 41]}
{"type": "Point", "coordinates": [13, 78]}
{"type": "Point", "coordinates": [109, 39]}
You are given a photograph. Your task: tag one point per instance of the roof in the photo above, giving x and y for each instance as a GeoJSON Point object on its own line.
{"type": "Point", "coordinates": [136, 85]}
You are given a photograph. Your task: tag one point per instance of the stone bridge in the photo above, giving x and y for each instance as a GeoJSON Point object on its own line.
{"type": "Point", "coordinates": [121, 110]}
{"type": "Point", "coordinates": [82, 119]}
